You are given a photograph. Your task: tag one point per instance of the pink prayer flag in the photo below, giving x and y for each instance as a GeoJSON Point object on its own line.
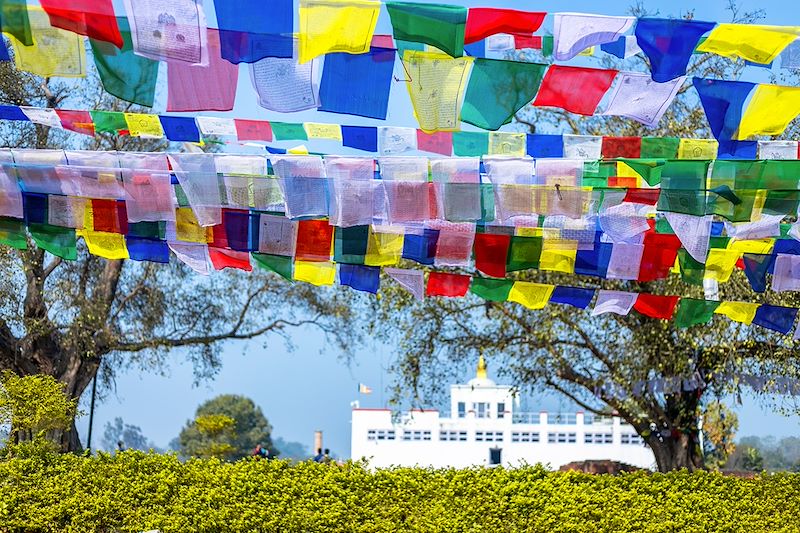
{"type": "Point", "coordinates": [440, 142]}
{"type": "Point", "coordinates": [77, 121]}
{"type": "Point", "coordinates": [253, 130]}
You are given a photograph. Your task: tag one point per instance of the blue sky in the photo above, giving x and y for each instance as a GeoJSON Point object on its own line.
{"type": "Point", "coordinates": [310, 388]}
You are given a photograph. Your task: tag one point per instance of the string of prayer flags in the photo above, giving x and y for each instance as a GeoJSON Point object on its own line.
{"type": "Point", "coordinates": [169, 30]}
{"type": "Point", "coordinates": [93, 18]}
{"type": "Point", "coordinates": [752, 42]}
{"type": "Point", "coordinates": [638, 97]}
{"type": "Point", "coordinates": [284, 85]}
{"type": "Point", "coordinates": [246, 36]}
{"type": "Point", "coordinates": [203, 87]}
{"type": "Point", "coordinates": [485, 21]}
{"type": "Point", "coordinates": [53, 53]}
{"type": "Point", "coordinates": [357, 84]}
{"type": "Point", "coordinates": [436, 85]}
{"type": "Point", "coordinates": [669, 44]}
{"type": "Point", "coordinates": [336, 26]}
{"type": "Point", "coordinates": [15, 22]}
{"type": "Point", "coordinates": [575, 32]}
{"type": "Point", "coordinates": [498, 89]}
{"type": "Point", "coordinates": [575, 89]}
{"type": "Point", "coordinates": [439, 25]}
{"type": "Point", "coordinates": [124, 73]}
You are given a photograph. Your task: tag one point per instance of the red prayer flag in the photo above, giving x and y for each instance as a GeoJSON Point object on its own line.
{"type": "Point", "coordinates": [491, 252]}
{"type": "Point", "coordinates": [219, 237]}
{"type": "Point", "coordinates": [104, 216]}
{"type": "Point", "coordinates": [660, 251]}
{"type": "Point", "coordinates": [622, 147]}
{"type": "Point", "coordinates": [222, 258]}
{"type": "Point", "coordinates": [314, 239]}
{"type": "Point", "coordinates": [444, 284]}
{"type": "Point", "coordinates": [485, 21]}
{"type": "Point", "coordinates": [93, 18]}
{"type": "Point", "coordinates": [533, 42]}
{"type": "Point", "coordinates": [440, 142]}
{"type": "Point", "coordinates": [77, 121]}
{"type": "Point", "coordinates": [656, 306]}
{"type": "Point", "coordinates": [575, 89]}
{"type": "Point", "coordinates": [253, 130]}
{"type": "Point", "coordinates": [642, 196]}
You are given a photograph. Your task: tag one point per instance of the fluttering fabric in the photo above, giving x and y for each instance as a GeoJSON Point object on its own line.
{"type": "Point", "coordinates": [284, 85]}
{"type": "Point", "coordinates": [314, 272]}
{"type": "Point", "coordinates": [583, 146]}
{"type": "Point", "coordinates": [210, 87]}
{"type": "Point", "coordinates": [394, 140]}
{"type": "Point", "coordinates": [449, 285]}
{"type": "Point", "coordinates": [124, 73]}
{"type": "Point", "coordinates": [693, 312]}
{"type": "Point", "coordinates": [182, 129]}
{"type": "Point", "coordinates": [169, 30]}
{"type": "Point", "coordinates": [770, 110]}
{"type": "Point", "coordinates": [777, 149]}
{"type": "Point", "coordinates": [485, 21]}
{"type": "Point", "coordinates": [439, 25]}
{"type": "Point", "coordinates": [93, 18]}
{"type": "Point", "coordinates": [303, 185]}
{"type": "Point", "coordinates": [143, 125]}
{"type": "Point", "coordinates": [436, 83]}
{"type": "Point", "coordinates": [638, 97]}
{"type": "Point", "coordinates": [440, 142]}
{"type": "Point", "coordinates": [787, 273]}
{"type": "Point", "coordinates": [336, 26]}
{"type": "Point", "coordinates": [53, 52]}
{"type": "Point", "coordinates": [246, 36]}
{"type": "Point", "coordinates": [361, 278]}
{"type": "Point", "coordinates": [531, 295]}
{"type": "Point", "coordinates": [694, 233]}
{"type": "Point", "coordinates": [197, 175]}
{"type": "Point", "coordinates": [624, 47]}
{"type": "Point", "coordinates": [656, 306]}
{"type": "Point", "coordinates": [619, 302]}
{"type": "Point", "coordinates": [738, 311]}
{"type": "Point", "coordinates": [411, 280]}
{"type": "Point", "coordinates": [498, 89]}
{"type": "Point", "coordinates": [752, 42]}
{"type": "Point", "coordinates": [574, 296]}
{"type": "Point", "coordinates": [669, 44]}
{"type": "Point", "coordinates": [357, 84]}
{"type": "Point", "coordinates": [15, 22]}
{"type": "Point", "coordinates": [776, 318]}
{"type": "Point", "coordinates": [575, 89]}
{"type": "Point", "coordinates": [723, 102]}
{"type": "Point", "coordinates": [575, 32]}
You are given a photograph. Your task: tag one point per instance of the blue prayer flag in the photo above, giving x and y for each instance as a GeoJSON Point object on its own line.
{"type": "Point", "coordinates": [421, 248]}
{"type": "Point", "coordinates": [34, 207]}
{"type": "Point", "coordinates": [756, 267]}
{"type": "Point", "coordinates": [357, 84]}
{"type": "Point", "coordinates": [4, 51]}
{"type": "Point", "coordinates": [723, 102]}
{"type": "Point", "coordinates": [669, 43]}
{"type": "Point", "coordinates": [540, 145]}
{"type": "Point", "coordinates": [476, 49]}
{"type": "Point", "coordinates": [615, 48]}
{"type": "Point", "coordinates": [152, 250]}
{"type": "Point", "coordinates": [594, 262]}
{"type": "Point", "coordinates": [737, 150]}
{"type": "Point", "coordinates": [574, 296]}
{"type": "Point", "coordinates": [786, 246]}
{"type": "Point", "coordinates": [12, 112]}
{"type": "Point", "coordinates": [250, 30]}
{"type": "Point", "coordinates": [180, 129]}
{"type": "Point", "coordinates": [360, 137]}
{"type": "Point", "coordinates": [776, 318]}
{"type": "Point", "coordinates": [360, 277]}
{"type": "Point", "coordinates": [239, 230]}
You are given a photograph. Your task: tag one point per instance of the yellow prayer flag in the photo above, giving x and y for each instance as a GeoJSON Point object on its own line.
{"type": "Point", "coordinates": [316, 130]}
{"type": "Point", "coordinates": [103, 244]}
{"type": "Point", "coordinates": [753, 246]}
{"type": "Point", "coordinates": [531, 295]}
{"type": "Point", "coordinates": [720, 264]}
{"type": "Point", "coordinates": [144, 125]}
{"type": "Point", "coordinates": [88, 216]}
{"type": "Point", "coordinates": [383, 249]}
{"type": "Point", "coordinates": [588, 52]}
{"type": "Point", "coordinates": [771, 109]}
{"type": "Point", "coordinates": [752, 42]}
{"type": "Point", "coordinates": [298, 150]}
{"type": "Point", "coordinates": [738, 311]}
{"type": "Point", "coordinates": [55, 52]}
{"type": "Point", "coordinates": [436, 84]}
{"type": "Point", "coordinates": [187, 229]}
{"type": "Point", "coordinates": [698, 149]}
{"type": "Point", "coordinates": [315, 272]}
{"type": "Point", "coordinates": [503, 143]}
{"type": "Point", "coordinates": [626, 171]}
{"type": "Point", "coordinates": [336, 26]}
{"type": "Point", "coordinates": [558, 255]}
{"type": "Point", "coordinates": [528, 232]}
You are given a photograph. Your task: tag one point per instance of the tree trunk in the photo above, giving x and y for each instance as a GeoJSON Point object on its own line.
{"type": "Point", "coordinates": [676, 451]}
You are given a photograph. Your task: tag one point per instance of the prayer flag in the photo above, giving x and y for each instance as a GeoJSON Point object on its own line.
{"type": "Point", "coordinates": [105, 244]}
{"type": "Point", "coordinates": [720, 264]}
{"type": "Point", "coordinates": [470, 143]}
{"type": "Point", "coordinates": [143, 125]}
{"type": "Point", "coordinates": [393, 140]}
{"type": "Point", "coordinates": [756, 267]}
{"type": "Point", "coordinates": [614, 147]}
{"type": "Point", "coordinates": [284, 85]}
{"type": "Point", "coordinates": [288, 131]}
{"type": "Point", "coordinates": [14, 20]}
{"type": "Point", "coordinates": [787, 273]}
{"type": "Point", "coordinates": [723, 102]}
{"type": "Point", "coordinates": [440, 142]}
{"type": "Point", "coordinates": [575, 32]}
{"type": "Point", "coordinates": [60, 242]}
{"type": "Point", "coordinates": [638, 97]}
{"type": "Point", "coordinates": [247, 36]}
{"type": "Point", "coordinates": [524, 253]}
{"type": "Point", "coordinates": [498, 89]}
{"type": "Point", "coordinates": [421, 247]}
{"type": "Point", "coordinates": [314, 240]}
{"type": "Point", "coordinates": [493, 290]}
{"type": "Point", "coordinates": [756, 43]}
{"type": "Point", "coordinates": [276, 263]}
{"type": "Point", "coordinates": [436, 84]}
{"type": "Point", "coordinates": [336, 26]}
{"type": "Point", "coordinates": [302, 181]}
{"type": "Point", "coordinates": [77, 121]}
{"type": "Point", "coordinates": [698, 149]}
{"type": "Point", "coordinates": [383, 248]}
{"type": "Point", "coordinates": [361, 278]}
{"type": "Point", "coordinates": [575, 89]}
{"type": "Point", "coordinates": [222, 259]}
{"type": "Point", "coordinates": [208, 87]}
{"type": "Point", "coordinates": [693, 231]}
{"type": "Point", "coordinates": [439, 25]}
{"type": "Point", "coordinates": [558, 255]}
{"type": "Point", "coordinates": [574, 296]}
{"type": "Point", "coordinates": [777, 149]}
{"type": "Point", "coordinates": [357, 84]}
{"type": "Point", "coordinates": [180, 129]}
{"type": "Point", "coordinates": [108, 121]}
{"type": "Point", "coordinates": [170, 30]}
{"type": "Point", "coordinates": [195, 256]}
{"type": "Point", "coordinates": [660, 147]}
{"type": "Point", "coordinates": [587, 147]}
{"type": "Point", "coordinates": [93, 18]}
{"type": "Point", "coordinates": [411, 280]}
{"type": "Point", "coordinates": [544, 145]}
{"type": "Point", "coordinates": [350, 244]}
{"type": "Point", "coordinates": [360, 137]}
{"type": "Point", "coordinates": [142, 249]}
{"type": "Point", "coordinates": [485, 21]}
{"type": "Point", "coordinates": [445, 284]}
{"type": "Point", "coordinates": [491, 251]}
{"type": "Point", "coordinates": [771, 109]}
{"type": "Point", "coordinates": [506, 143]}
{"type": "Point", "coordinates": [738, 311]}
{"type": "Point", "coordinates": [619, 302]}
{"type": "Point", "coordinates": [655, 306]}
{"type": "Point", "coordinates": [669, 43]}
{"type": "Point", "coordinates": [252, 130]}
{"type": "Point", "coordinates": [624, 47]}
{"type": "Point", "coordinates": [692, 312]}
{"type": "Point", "coordinates": [531, 295]}
{"type": "Point", "coordinates": [776, 318]}
{"type": "Point", "coordinates": [53, 52]}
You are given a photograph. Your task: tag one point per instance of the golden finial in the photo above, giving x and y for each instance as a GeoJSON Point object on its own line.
{"type": "Point", "coordinates": [481, 374]}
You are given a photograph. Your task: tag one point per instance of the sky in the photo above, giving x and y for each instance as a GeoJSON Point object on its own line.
{"type": "Point", "coordinates": [311, 388]}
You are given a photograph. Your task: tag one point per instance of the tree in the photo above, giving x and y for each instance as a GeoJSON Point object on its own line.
{"type": "Point", "coordinates": [129, 435]}
{"type": "Point", "coordinates": [228, 427]}
{"type": "Point", "coordinates": [291, 450]}
{"type": "Point", "coordinates": [632, 366]}
{"type": "Point", "coordinates": [69, 320]}
{"type": "Point", "coordinates": [719, 429]}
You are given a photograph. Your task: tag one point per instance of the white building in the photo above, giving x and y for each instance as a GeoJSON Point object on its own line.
{"type": "Point", "coordinates": [484, 429]}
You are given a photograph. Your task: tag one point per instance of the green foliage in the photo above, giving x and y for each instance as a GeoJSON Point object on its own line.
{"type": "Point", "coordinates": [719, 428]}
{"type": "Point", "coordinates": [778, 455]}
{"type": "Point", "coordinates": [226, 427]}
{"type": "Point", "coordinates": [134, 491]}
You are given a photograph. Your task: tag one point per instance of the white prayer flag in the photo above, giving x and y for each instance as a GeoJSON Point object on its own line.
{"type": "Point", "coordinates": [638, 97]}
{"type": "Point", "coordinates": [694, 233]}
{"type": "Point", "coordinates": [575, 32]}
{"type": "Point", "coordinates": [411, 280]}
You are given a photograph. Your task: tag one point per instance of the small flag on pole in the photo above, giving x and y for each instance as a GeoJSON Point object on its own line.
{"type": "Point", "coordinates": [363, 389]}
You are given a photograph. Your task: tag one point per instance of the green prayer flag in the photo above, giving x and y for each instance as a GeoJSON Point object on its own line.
{"type": "Point", "coordinates": [494, 290]}
{"type": "Point", "coordinates": [692, 312]}
{"type": "Point", "coordinates": [487, 202]}
{"type": "Point", "coordinates": [402, 46]}
{"type": "Point", "coordinates": [649, 169]}
{"type": "Point", "coordinates": [123, 73]}
{"type": "Point", "coordinates": [279, 264]}
{"type": "Point", "coordinates": [781, 175]}
{"type": "Point", "coordinates": [350, 244]}
{"type": "Point", "coordinates": [14, 20]}
{"type": "Point", "coordinates": [59, 241]}
{"type": "Point", "coordinates": [718, 242]}
{"type": "Point", "coordinates": [660, 147]}
{"type": "Point", "coordinates": [12, 233]}
{"type": "Point", "coordinates": [524, 253]}
{"type": "Point", "coordinates": [692, 271]}
{"type": "Point", "coordinates": [498, 89]}
{"type": "Point", "coordinates": [596, 173]}
{"type": "Point", "coordinates": [470, 143]}
{"type": "Point", "coordinates": [735, 211]}
{"type": "Point", "coordinates": [108, 121]}
{"type": "Point", "coordinates": [288, 131]}
{"type": "Point", "coordinates": [438, 25]}
{"type": "Point", "coordinates": [782, 203]}
{"type": "Point", "coordinates": [663, 226]}
{"type": "Point", "coordinates": [548, 44]}
{"type": "Point", "coordinates": [147, 230]}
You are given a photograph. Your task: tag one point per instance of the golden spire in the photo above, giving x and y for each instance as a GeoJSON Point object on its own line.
{"type": "Point", "coordinates": [481, 373]}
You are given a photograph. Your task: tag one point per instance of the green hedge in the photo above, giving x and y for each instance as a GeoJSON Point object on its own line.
{"type": "Point", "coordinates": [134, 491]}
